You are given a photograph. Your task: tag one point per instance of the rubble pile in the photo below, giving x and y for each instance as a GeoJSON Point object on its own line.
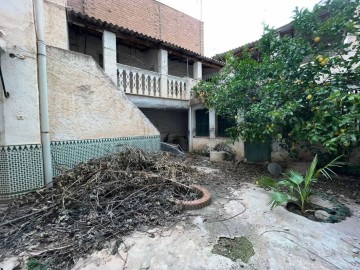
{"type": "Point", "coordinates": [97, 201]}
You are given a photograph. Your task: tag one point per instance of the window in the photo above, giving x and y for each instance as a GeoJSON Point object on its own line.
{"type": "Point", "coordinates": [202, 122]}
{"type": "Point", "coordinates": [223, 124]}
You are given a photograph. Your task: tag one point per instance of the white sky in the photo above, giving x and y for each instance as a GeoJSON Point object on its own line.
{"type": "Point", "coordinates": [231, 23]}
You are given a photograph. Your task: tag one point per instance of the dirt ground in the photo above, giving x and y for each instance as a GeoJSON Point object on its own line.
{"type": "Point", "coordinates": [341, 186]}
{"type": "Point", "coordinates": [231, 184]}
{"type": "Point", "coordinates": [279, 238]}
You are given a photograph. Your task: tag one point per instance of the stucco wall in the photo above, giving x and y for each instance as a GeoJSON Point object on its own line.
{"type": "Point", "coordinates": [203, 142]}
{"type": "Point", "coordinates": [85, 104]}
{"type": "Point", "coordinates": [56, 33]}
{"type": "Point", "coordinates": [20, 112]}
{"type": "Point", "coordinates": [2, 120]}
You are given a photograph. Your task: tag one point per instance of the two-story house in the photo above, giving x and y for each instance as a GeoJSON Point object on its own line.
{"type": "Point", "coordinates": [153, 53]}
{"type": "Point", "coordinates": [84, 78]}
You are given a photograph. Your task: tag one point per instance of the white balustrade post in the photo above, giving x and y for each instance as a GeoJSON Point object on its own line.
{"type": "Point", "coordinates": [189, 86]}
{"type": "Point", "coordinates": [109, 55]}
{"type": "Point", "coordinates": [197, 71]}
{"type": "Point", "coordinates": [212, 123]}
{"type": "Point", "coordinates": [163, 70]}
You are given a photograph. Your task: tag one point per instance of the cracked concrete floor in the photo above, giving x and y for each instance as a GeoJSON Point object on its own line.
{"type": "Point", "coordinates": [281, 239]}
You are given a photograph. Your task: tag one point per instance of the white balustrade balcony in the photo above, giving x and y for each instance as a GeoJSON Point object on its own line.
{"type": "Point", "coordinates": [177, 88]}
{"type": "Point", "coordinates": [143, 82]}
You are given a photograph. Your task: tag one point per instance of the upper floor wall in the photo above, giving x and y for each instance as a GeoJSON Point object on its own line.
{"type": "Point", "coordinates": [147, 17]}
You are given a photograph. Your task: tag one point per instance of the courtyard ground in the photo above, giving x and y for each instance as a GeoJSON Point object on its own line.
{"type": "Point", "coordinates": [237, 231]}
{"type": "Point", "coordinates": [280, 239]}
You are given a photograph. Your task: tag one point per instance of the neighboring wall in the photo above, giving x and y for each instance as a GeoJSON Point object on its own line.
{"type": "Point", "coordinates": [20, 149]}
{"type": "Point", "coordinates": [89, 116]}
{"type": "Point", "coordinates": [201, 143]}
{"type": "Point", "coordinates": [85, 104]}
{"type": "Point", "coordinates": [148, 17]}
{"type": "Point", "coordinates": [20, 112]}
{"type": "Point", "coordinates": [56, 33]}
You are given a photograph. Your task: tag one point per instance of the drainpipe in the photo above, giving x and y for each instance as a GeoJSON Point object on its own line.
{"type": "Point", "coordinates": [43, 91]}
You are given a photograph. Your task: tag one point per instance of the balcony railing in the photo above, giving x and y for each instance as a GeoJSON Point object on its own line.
{"type": "Point", "coordinates": [177, 87]}
{"type": "Point", "coordinates": [143, 82]}
{"type": "Point", "coordinates": [138, 81]}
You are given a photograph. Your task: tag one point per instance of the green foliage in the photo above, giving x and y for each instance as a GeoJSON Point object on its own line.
{"type": "Point", "coordinates": [34, 264]}
{"type": "Point", "coordinates": [296, 187]}
{"type": "Point", "coordinates": [303, 87]}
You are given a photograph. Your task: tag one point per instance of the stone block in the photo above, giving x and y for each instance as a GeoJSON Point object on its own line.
{"type": "Point", "coordinates": [217, 156]}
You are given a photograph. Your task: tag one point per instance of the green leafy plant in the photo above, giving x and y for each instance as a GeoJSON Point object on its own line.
{"type": "Point", "coordinates": [300, 87]}
{"type": "Point", "coordinates": [295, 187]}
{"type": "Point", "coordinates": [34, 264]}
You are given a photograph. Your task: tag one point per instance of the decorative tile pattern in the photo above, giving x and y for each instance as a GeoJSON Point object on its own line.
{"type": "Point", "coordinates": [21, 167]}
{"type": "Point", "coordinates": [21, 170]}
{"type": "Point", "coordinates": [66, 154]}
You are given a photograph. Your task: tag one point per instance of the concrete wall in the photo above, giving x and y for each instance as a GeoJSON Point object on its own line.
{"type": "Point", "coordinates": [148, 17]}
{"type": "Point", "coordinates": [56, 33]}
{"type": "Point", "coordinates": [20, 112]}
{"type": "Point", "coordinates": [172, 122]}
{"type": "Point", "coordinates": [85, 104]}
{"type": "Point", "coordinates": [200, 143]}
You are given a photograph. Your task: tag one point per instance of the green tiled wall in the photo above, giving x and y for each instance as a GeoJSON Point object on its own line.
{"type": "Point", "coordinates": [21, 166]}
{"type": "Point", "coordinates": [67, 154]}
{"type": "Point", "coordinates": [21, 169]}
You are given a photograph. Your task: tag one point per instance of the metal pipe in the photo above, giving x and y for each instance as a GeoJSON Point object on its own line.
{"type": "Point", "coordinates": [6, 94]}
{"type": "Point", "coordinates": [190, 129]}
{"type": "Point", "coordinates": [43, 91]}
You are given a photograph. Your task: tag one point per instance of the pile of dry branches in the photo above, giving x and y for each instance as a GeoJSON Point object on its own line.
{"type": "Point", "coordinates": [96, 201]}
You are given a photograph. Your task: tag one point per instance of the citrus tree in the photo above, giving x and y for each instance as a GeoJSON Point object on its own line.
{"type": "Point", "coordinates": [300, 87]}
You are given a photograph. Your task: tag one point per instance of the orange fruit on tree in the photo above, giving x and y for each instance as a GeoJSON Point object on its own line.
{"type": "Point", "coordinates": [320, 58]}
{"type": "Point", "coordinates": [317, 39]}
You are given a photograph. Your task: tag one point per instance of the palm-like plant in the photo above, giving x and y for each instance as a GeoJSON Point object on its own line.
{"type": "Point", "coordinates": [295, 187]}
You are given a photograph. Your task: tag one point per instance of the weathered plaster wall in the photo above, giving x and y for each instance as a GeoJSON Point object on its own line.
{"type": "Point", "coordinates": [56, 31]}
{"type": "Point", "coordinates": [203, 142]}
{"type": "Point", "coordinates": [172, 122]}
{"type": "Point", "coordinates": [2, 119]}
{"type": "Point", "coordinates": [85, 104]}
{"type": "Point", "coordinates": [20, 112]}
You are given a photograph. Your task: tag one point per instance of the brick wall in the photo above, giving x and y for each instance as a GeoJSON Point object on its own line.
{"type": "Point", "coordinates": [148, 17]}
{"type": "Point", "coordinates": [77, 5]}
